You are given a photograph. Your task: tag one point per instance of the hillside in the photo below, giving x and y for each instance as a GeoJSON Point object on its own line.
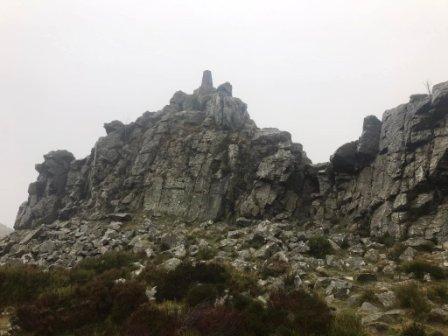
{"type": "Point", "coordinates": [360, 241]}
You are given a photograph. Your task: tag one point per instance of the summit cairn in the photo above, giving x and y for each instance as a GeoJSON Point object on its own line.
{"type": "Point", "coordinates": [206, 87]}
{"type": "Point", "coordinates": [207, 80]}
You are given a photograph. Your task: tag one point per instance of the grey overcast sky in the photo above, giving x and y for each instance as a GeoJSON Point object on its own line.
{"type": "Point", "coordinates": [312, 67]}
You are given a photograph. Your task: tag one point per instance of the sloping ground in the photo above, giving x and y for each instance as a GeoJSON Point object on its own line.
{"type": "Point", "coordinates": [199, 182]}
{"type": "Point", "coordinates": [388, 285]}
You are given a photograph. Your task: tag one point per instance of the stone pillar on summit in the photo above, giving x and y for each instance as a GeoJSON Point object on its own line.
{"type": "Point", "coordinates": [206, 84]}
{"type": "Point", "coordinates": [207, 80]}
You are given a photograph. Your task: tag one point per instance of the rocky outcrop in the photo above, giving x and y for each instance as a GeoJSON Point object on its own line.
{"type": "Point", "coordinates": [199, 158]}
{"type": "Point", "coordinates": [202, 158]}
{"type": "Point", "coordinates": [392, 181]}
{"type": "Point", "coordinates": [355, 155]}
{"type": "Point", "coordinates": [47, 193]}
{"type": "Point", "coordinates": [199, 182]}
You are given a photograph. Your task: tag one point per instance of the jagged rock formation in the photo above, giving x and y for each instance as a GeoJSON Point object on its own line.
{"type": "Point", "coordinates": [202, 158]}
{"type": "Point", "coordinates": [4, 230]}
{"type": "Point", "coordinates": [199, 158]}
{"type": "Point", "coordinates": [393, 180]}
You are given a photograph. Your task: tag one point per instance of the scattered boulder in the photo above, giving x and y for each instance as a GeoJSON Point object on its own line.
{"type": "Point", "coordinates": [408, 254]}
{"type": "Point", "coordinates": [368, 308]}
{"type": "Point", "coordinates": [171, 264]}
{"type": "Point", "coordinates": [387, 299]}
{"type": "Point", "coordinates": [438, 315]}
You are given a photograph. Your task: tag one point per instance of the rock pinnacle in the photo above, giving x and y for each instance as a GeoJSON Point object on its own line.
{"type": "Point", "coordinates": [207, 80]}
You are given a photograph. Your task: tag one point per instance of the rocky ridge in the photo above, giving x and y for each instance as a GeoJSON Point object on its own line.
{"type": "Point", "coordinates": [199, 158]}
{"type": "Point", "coordinates": [199, 181]}
{"type": "Point", "coordinates": [202, 158]}
{"type": "Point", "coordinates": [392, 181]}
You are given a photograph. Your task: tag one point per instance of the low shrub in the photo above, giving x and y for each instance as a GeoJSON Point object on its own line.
{"type": "Point", "coordinates": [20, 284]}
{"type": "Point", "coordinates": [189, 332]}
{"type": "Point", "coordinates": [201, 294]}
{"type": "Point", "coordinates": [126, 298]}
{"type": "Point", "coordinates": [206, 253]}
{"type": "Point", "coordinates": [256, 317]}
{"type": "Point", "coordinates": [37, 319]}
{"type": "Point", "coordinates": [174, 285]}
{"type": "Point", "coordinates": [422, 267]}
{"type": "Point", "coordinates": [220, 320]}
{"type": "Point", "coordinates": [412, 297]}
{"type": "Point", "coordinates": [347, 323]}
{"type": "Point", "coordinates": [81, 276]}
{"type": "Point", "coordinates": [93, 300]}
{"type": "Point", "coordinates": [108, 261]}
{"type": "Point", "coordinates": [319, 247]}
{"type": "Point", "coordinates": [81, 306]}
{"type": "Point", "coordinates": [300, 311]}
{"type": "Point", "coordinates": [275, 268]}
{"type": "Point", "coordinates": [239, 281]}
{"type": "Point", "coordinates": [438, 292]}
{"type": "Point", "coordinates": [414, 329]}
{"type": "Point", "coordinates": [148, 320]}
{"type": "Point", "coordinates": [88, 301]}
{"type": "Point", "coordinates": [368, 295]}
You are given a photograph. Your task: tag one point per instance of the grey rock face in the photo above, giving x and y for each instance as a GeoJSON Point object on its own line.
{"type": "Point", "coordinates": [202, 158]}
{"type": "Point", "coordinates": [387, 299]}
{"type": "Point", "coordinates": [391, 182]}
{"type": "Point", "coordinates": [440, 95]}
{"type": "Point", "coordinates": [370, 138]}
{"type": "Point", "coordinates": [47, 193]}
{"type": "Point", "coordinates": [199, 158]}
{"type": "Point", "coordinates": [207, 81]}
{"type": "Point", "coordinates": [225, 89]}
{"type": "Point", "coordinates": [352, 156]}
{"type": "Point", "coordinates": [344, 160]}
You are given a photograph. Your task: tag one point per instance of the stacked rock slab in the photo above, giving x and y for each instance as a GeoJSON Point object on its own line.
{"type": "Point", "coordinates": [199, 158]}
{"type": "Point", "coordinates": [393, 181]}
